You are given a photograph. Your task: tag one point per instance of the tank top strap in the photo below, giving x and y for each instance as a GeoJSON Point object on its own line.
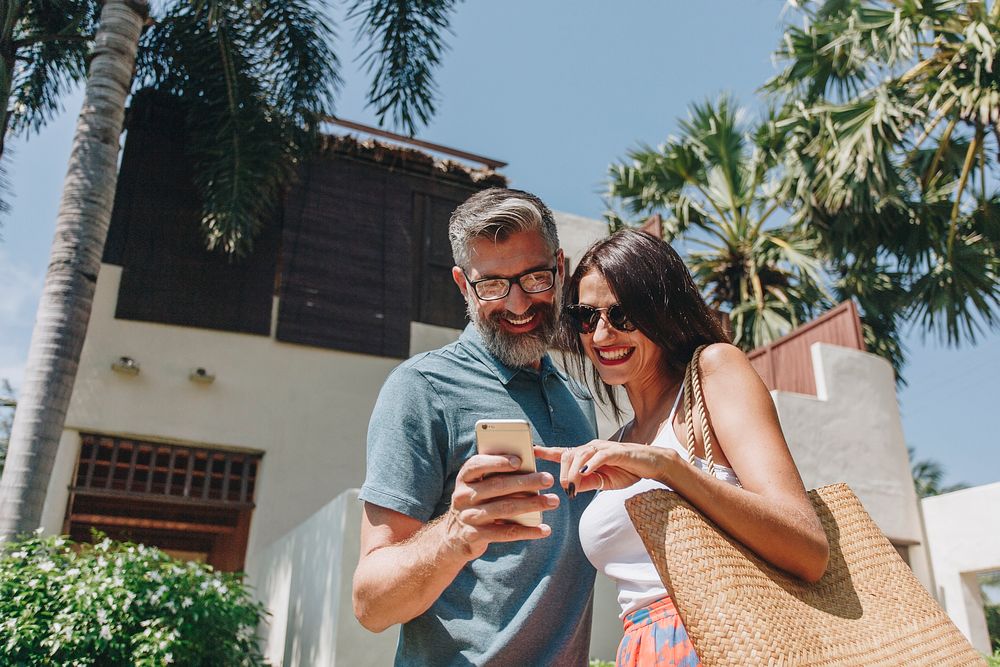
{"type": "Point", "coordinates": [677, 401]}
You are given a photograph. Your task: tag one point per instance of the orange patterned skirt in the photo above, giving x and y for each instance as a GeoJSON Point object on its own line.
{"type": "Point", "coordinates": [655, 637]}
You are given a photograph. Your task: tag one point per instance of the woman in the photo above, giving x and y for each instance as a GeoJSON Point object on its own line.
{"type": "Point", "coordinates": [636, 314]}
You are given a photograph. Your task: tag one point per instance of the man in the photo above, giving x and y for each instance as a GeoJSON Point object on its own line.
{"type": "Point", "coordinates": [438, 553]}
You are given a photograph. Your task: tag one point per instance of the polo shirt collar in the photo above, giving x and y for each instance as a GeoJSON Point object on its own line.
{"type": "Point", "coordinates": [473, 341]}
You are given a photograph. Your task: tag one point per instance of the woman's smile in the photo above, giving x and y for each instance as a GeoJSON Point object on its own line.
{"type": "Point", "coordinates": [613, 355]}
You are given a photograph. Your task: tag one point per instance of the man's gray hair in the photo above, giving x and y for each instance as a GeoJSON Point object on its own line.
{"type": "Point", "coordinates": [498, 213]}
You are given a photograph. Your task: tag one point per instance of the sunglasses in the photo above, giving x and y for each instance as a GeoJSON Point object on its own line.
{"type": "Point", "coordinates": [585, 318]}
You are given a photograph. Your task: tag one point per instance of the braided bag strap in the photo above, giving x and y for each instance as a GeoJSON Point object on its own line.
{"type": "Point", "coordinates": [694, 399]}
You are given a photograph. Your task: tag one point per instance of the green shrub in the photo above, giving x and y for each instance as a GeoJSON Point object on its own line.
{"type": "Point", "coordinates": [115, 603]}
{"type": "Point", "coordinates": [993, 625]}
{"type": "Point", "coordinates": [993, 660]}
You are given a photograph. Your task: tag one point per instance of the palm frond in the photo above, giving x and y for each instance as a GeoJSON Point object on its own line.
{"type": "Point", "coordinates": [403, 48]}
{"type": "Point", "coordinates": [253, 91]}
{"type": "Point", "coordinates": [960, 294]}
{"type": "Point", "coordinates": [51, 41]}
{"type": "Point", "coordinates": [299, 67]}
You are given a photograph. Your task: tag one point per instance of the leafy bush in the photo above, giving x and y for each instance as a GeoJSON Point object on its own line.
{"type": "Point", "coordinates": [993, 625]}
{"type": "Point", "coordinates": [993, 660]}
{"type": "Point", "coordinates": [115, 603]}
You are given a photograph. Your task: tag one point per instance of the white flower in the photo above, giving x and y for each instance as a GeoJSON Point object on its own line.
{"type": "Point", "coordinates": [186, 602]}
{"type": "Point", "coordinates": [106, 632]}
{"type": "Point", "coordinates": [46, 566]}
{"type": "Point", "coordinates": [168, 658]}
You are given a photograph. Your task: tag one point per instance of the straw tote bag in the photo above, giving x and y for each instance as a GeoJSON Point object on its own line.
{"type": "Point", "coordinates": [868, 609]}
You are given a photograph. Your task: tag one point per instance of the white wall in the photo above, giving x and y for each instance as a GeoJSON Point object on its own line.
{"type": "Point", "coordinates": [304, 580]}
{"type": "Point", "coordinates": [577, 233]}
{"type": "Point", "coordinates": [851, 432]}
{"type": "Point", "coordinates": [963, 532]}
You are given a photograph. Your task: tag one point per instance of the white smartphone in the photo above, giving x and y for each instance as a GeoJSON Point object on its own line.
{"type": "Point", "coordinates": [504, 437]}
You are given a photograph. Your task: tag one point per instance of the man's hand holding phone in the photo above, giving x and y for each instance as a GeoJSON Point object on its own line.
{"type": "Point", "coordinates": [496, 497]}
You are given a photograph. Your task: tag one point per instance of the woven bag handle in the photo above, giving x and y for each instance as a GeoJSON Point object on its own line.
{"type": "Point", "coordinates": [694, 399]}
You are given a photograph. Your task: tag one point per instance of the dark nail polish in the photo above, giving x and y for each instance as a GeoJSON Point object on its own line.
{"type": "Point", "coordinates": [584, 468]}
{"type": "Point", "coordinates": [571, 490]}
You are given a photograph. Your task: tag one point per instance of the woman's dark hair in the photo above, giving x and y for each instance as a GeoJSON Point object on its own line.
{"type": "Point", "coordinates": [656, 290]}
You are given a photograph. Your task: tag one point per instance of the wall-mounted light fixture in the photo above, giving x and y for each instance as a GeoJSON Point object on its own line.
{"type": "Point", "coordinates": [125, 366]}
{"type": "Point", "coordinates": [202, 376]}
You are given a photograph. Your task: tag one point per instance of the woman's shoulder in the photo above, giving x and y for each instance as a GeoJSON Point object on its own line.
{"type": "Point", "coordinates": [723, 357]}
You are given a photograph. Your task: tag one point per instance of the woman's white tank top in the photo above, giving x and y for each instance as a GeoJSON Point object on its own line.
{"type": "Point", "coordinates": [610, 541]}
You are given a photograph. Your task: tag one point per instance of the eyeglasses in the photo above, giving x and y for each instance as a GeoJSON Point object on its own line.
{"type": "Point", "coordinates": [585, 318]}
{"type": "Point", "coordinates": [532, 282]}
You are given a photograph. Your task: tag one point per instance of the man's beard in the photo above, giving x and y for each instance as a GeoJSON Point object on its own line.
{"type": "Point", "coordinates": [518, 350]}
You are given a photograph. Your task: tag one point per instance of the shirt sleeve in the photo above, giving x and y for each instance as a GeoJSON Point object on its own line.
{"type": "Point", "coordinates": [408, 442]}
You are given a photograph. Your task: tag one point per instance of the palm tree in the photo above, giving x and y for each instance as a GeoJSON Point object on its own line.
{"type": "Point", "coordinates": [81, 227]}
{"type": "Point", "coordinates": [715, 187]}
{"type": "Point", "coordinates": [43, 50]}
{"type": "Point", "coordinates": [256, 79]}
{"type": "Point", "coordinates": [928, 475]}
{"type": "Point", "coordinates": [891, 137]}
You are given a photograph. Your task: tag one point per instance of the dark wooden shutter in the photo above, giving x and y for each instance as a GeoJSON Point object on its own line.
{"type": "Point", "coordinates": [347, 251]}
{"type": "Point", "coordinates": [167, 275]}
{"type": "Point", "coordinates": [437, 299]}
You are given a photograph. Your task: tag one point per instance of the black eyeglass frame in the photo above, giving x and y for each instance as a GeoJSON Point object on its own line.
{"type": "Point", "coordinates": [510, 281]}
{"type": "Point", "coordinates": [615, 315]}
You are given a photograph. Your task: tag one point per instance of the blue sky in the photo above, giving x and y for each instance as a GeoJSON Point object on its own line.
{"type": "Point", "coordinates": [560, 88]}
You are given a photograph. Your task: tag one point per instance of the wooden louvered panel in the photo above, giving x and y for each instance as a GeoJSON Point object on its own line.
{"type": "Point", "coordinates": [347, 252]}
{"type": "Point", "coordinates": [167, 274]}
{"type": "Point", "coordinates": [119, 466]}
{"type": "Point", "coordinates": [437, 299]}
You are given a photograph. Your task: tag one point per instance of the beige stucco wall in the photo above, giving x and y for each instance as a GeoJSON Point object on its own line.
{"type": "Point", "coordinates": [851, 432]}
{"type": "Point", "coordinates": [963, 532]}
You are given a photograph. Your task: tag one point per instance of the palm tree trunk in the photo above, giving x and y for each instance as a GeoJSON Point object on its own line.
{"type": "Point", "coordinates": [64, 310]}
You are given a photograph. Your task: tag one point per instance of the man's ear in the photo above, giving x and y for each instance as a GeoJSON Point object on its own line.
{"type": "Point", "coordinates": [459, 277]}
{"type": "Point", "coordinates": [561, 263]}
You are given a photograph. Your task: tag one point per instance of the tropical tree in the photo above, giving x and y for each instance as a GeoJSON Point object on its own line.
{"type": "Point", "coordinates": [716, 187]}
{"type": "Point", "coordinates": [928, 475]}
{"type": "Point", "coordinates": [43, 51]}
{"type": "Point", "coordinates": [256, 77]}
{"type": "Point", "coordinates": [891, 144]}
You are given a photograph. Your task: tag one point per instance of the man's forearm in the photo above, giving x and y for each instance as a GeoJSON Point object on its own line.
{"type": "Point", "coordinates": [396, 583]}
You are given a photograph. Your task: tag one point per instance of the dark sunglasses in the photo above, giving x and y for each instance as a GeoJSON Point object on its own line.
{"type": "Point", "coordinates": [585, 318]}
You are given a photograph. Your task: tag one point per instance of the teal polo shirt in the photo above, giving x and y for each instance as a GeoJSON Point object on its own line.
{"type": "Point", "coordinates": [520, 603]}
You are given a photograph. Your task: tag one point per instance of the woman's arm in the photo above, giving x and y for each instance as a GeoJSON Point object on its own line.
{"type": "Point", "coordinates": [771, 514]}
